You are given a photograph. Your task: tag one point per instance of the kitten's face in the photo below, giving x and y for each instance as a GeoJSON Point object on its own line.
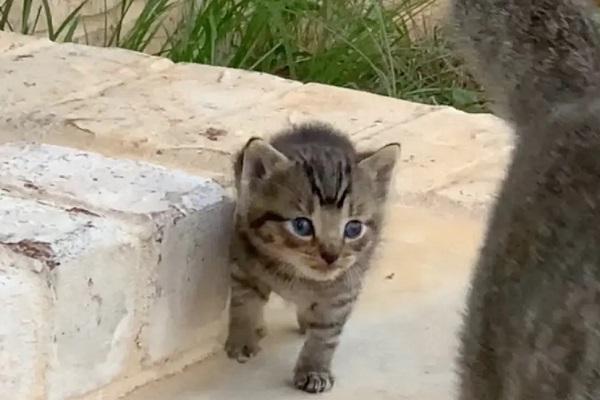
{"type": "Point", "coordinates": [316, 213]}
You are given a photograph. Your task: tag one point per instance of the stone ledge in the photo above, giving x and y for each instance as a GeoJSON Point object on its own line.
{"type": "Point", "coordinates": [109, 269]}
{"type": "Point", "coordinates": [193, 117]}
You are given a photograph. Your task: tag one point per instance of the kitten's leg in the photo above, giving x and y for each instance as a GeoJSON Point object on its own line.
{"type": "Point", "coordinates": [301, 318]}
{"type": "Point", "coordinates": [324, 324]}
{"type": "Point", "coordinates": [246, 321]}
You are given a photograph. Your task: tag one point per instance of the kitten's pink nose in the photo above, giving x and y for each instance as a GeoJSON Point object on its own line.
{"type": "Point", "coordinates": [329, 257]}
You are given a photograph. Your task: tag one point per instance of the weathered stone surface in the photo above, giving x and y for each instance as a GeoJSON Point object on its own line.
{"type": "Point", "coordinates": [173, 107]}
{"type": "Point", "coordinates": [99, 68]}
{"type": "Point", "coordinates": [194, 117]}
{"type": "Point", "coordinates": [130, 264]}
{"type": "Point", "coordinates": [68, 295]}
{"type": "Point", "coordinates": [448, 154]}
{"type": "Point", "coordinates": [13, 44]}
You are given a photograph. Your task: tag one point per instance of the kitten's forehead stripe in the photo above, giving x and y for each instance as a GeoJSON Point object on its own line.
{"type": "Point", "coordinates": [329, 174]}
{"type": "Point", "coordinates": [313, 181]}
{"type": "Point", "coordinates": [340, 202]}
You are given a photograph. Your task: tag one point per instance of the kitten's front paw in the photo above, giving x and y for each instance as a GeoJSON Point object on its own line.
{"type": "Point", "coordinates": [302, 328]}
{"type": "Point", "coordinates": [302, 324]}
{"type": "Point", "coordinates": [241, 349]}
{"type": "Point", "coordinates": [262, 331]}
{"type": "Point", "coordinates": [314, 381]}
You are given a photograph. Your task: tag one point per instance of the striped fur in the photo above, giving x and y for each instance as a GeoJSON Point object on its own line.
{"type": "Point", "coordinates": [310, 171]}
{"type": "Point", "coordinates": [532, 325]}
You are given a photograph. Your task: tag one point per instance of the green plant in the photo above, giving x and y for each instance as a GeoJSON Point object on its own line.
{"type": "Point", "coordinates": [145, 26]}
{"type": "Point", "coordinates": [359, 44]}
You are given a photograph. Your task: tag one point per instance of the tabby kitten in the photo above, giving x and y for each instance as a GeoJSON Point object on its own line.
{"type": "Point", "coordinates": [308, 217]}
{"type": "Point", "coordinates": [532, 326]}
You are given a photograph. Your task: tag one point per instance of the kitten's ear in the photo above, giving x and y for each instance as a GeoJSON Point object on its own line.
{"type": "Point", "coordinates": [260, 158]}
{"type": "Point", "coordinates": [379, 165]}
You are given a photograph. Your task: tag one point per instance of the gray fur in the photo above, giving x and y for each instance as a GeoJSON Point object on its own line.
{"type": "Point", "coordinates": [309, 171]}
{"type": "Point", "coordinates": [532, 324]}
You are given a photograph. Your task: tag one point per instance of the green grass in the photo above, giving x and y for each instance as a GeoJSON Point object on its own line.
{"type": "Point", "coordinates": [358, 44]}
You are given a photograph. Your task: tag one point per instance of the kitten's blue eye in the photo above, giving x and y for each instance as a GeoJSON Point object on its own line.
{"type": "Point", "coordinates": [353, 229]}
{"type": "Point", "coordinates": [302, 226]}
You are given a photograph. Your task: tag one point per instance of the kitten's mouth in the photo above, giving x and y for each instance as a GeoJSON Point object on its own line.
{"type": "Point", "coordinates": [321, 270]}
{"type": "Point", "coordinates": [325, 268]}
{"type": "Point", "coordinates": [322, 274]}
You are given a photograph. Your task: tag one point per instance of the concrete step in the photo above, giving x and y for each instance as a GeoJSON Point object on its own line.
{"type": "Point", "coordinates": [108, 268]}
